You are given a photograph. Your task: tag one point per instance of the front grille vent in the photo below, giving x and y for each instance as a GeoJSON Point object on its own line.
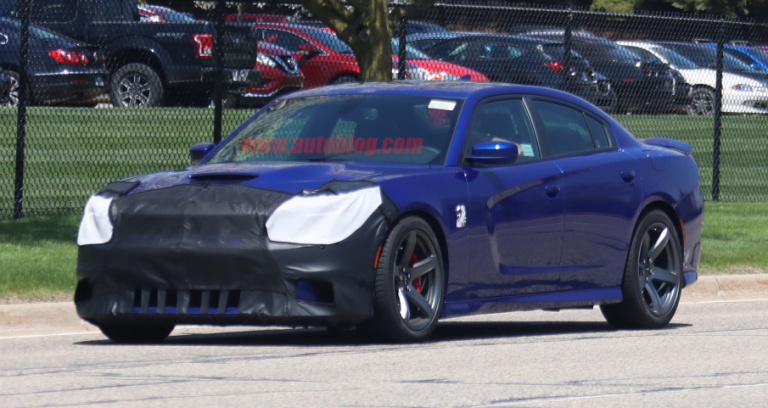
{"type": "Point", "coordinates": [192, 302]}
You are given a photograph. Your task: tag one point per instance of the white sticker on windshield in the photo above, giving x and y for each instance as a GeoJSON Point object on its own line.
{"type": "Point", "coordinates": [527, 150]}
{"type": "Point", "coordinates": [440, 104]}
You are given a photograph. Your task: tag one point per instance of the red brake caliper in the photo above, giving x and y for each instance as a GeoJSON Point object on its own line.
{"type": "Point", "coordinates": [418, 282]}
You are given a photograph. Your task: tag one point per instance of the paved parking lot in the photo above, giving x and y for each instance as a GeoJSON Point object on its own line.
{"type": "Point", "coordinates": [713, 355]}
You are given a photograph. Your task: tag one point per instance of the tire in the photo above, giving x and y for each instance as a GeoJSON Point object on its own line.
{"type": "Point", "coordinates": [406, 307]}
{"type": "Point", "coordinates": [345, 79]}
{"type": "Point", "coordinates": [136, 86]}
{"type": "Point", "coordinates": [11, 98]}
{"type": "Point", "coordinates": [137, 333]}
{"type": "Point", "coordinates": [702, 102]}
{"type": "Point", "coordinates": [649, 271]}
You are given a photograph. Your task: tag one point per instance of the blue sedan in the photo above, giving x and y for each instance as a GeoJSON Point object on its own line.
{"type": "Point", "coordinates": [390, 206]}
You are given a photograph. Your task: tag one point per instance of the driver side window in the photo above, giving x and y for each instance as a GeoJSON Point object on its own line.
{"type": "Point", "coordinates": [507, 121]}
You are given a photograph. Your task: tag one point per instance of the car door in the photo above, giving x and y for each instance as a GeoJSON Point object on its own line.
{"type": "Point", "coordinates": [515, 215]}
{"type": "Point", "coordinates": [601, 192]}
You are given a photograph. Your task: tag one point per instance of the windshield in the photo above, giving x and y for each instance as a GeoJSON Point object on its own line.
{"type": "Point", "coordinates": [675, 59]}
{"type": "Point", "coordinates": [704, 57]}
{"type": "Point", "coordinates": [411, 53]}
{"type": "Point", "coordinates": [358, 128]}
{"type": "Point", "coordinates": [328, 39]}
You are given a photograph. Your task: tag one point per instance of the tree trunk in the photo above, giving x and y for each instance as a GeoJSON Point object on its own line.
{"type": "Point", "coordinates": [374, 54]}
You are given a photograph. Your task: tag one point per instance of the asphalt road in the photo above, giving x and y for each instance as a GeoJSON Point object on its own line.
{"type": "Point", "coordinates": [712, 355]}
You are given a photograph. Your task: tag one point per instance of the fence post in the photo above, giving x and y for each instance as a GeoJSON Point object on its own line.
{"type": "Point", "coordinates": [218, 85]}
{"type": "Point", "coordinates": [718, 113]}
{"type": "Point", "coordinates": [21, 118]}
{"type": "Point", "coordinates": [401, 52]}
{"type": "Point", "coordinates": [567, 44]}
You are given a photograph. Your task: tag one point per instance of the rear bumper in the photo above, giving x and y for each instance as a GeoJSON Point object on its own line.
{"type": "Point", "coordinates": [82, 85]}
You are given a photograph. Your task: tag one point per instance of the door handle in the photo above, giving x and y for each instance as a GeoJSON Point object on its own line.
{"type": "Point", "coordinates": [552, 190]}
{"type": "Point", "coordinates": [628, 175]}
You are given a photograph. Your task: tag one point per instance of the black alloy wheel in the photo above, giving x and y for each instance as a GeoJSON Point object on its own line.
{"type": "Point", "coordinates": [652, 277]}
{"type": "Point", "coordinates": [410, 284]}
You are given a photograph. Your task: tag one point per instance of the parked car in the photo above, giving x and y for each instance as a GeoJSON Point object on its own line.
{"type": "Point", "coordinates": [436, 70]}
{"type": "Point", "coordinates": [748, 88]}
{"type": "Point", "coordinates": [737, 89]}
{"type": "Point", "coordinates": [755, 58]}
{"type": "Point", "coordinates": [518, 60]}
{"type": "Point", "coordinates": [149, 60]}
{"type": "Point", "coordinates": [368, 205]}
{"type": "Point", "coordinates": [638, 85]}
{"type": "Point", "coordinates": [60, 69]}
{"type": "Point", "coordinates": [279, 74]}
{"type": "Point", "coordinates": [683, 99]}
{"type": "Point", "coordinates": [162, 14]}
{"type": "Point", "coordinates": [325, 59]}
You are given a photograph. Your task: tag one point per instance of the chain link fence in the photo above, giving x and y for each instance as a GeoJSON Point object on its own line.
{"type": "Point", "coordinates": [98, 90]}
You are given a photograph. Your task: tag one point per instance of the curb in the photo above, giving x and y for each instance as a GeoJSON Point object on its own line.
{"type": "Point", "coordinates": [55, 318]}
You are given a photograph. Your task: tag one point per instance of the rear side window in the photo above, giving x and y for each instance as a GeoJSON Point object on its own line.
{"type": "Point", "coordinates": [599, 132]}
{"type": "Point", "coordinates": [566, 128]}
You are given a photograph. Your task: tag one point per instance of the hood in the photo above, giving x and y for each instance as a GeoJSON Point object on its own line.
{"type": "Point", "coordinates": [287, 177]}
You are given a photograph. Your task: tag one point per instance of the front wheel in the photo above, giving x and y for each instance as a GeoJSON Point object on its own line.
{"type": "Point", "coordinates": [410, 283]}
{"type": "Point", "coordinates": [652, 277]}
{"type": "Point", "coordinates": [137, 333]}
{"type": "Point", "coordinates": [11, 97]}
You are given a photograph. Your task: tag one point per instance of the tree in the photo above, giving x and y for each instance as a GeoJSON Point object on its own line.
{"type": "Point", "coordinates": [727, 8]}
{"type": "Point", "coordinates": [615, 6]}
{"type": "Point", "coordinates": [367, 26]}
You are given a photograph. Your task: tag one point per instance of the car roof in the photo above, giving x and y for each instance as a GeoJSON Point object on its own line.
{"type": "Point", "coordinates": [444, 89]}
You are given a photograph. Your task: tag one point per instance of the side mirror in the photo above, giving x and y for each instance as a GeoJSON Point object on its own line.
{"type": "Point", "coordinates": [494, 153]}
{"type": "Point", "coordinates": [198, 151]}
{"type": "Point", "coordinates": [308, 49]}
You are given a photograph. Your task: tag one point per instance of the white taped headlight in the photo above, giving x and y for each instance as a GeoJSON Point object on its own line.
{"type": "Point", "coordinates": [322, 219]}
{"type": "Point", "coordinates": [96, 227]}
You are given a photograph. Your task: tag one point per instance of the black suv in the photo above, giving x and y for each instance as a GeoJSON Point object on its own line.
{"type": "Point", "coordinates": [149, 59]}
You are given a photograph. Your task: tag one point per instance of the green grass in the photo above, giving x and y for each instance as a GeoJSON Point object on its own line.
{"type": "Point", "coordinates": [38, 255]}
{"type": "Point", "coordinates": [72, 152]}
{"type": "Point", "coordinates": [38, 258]}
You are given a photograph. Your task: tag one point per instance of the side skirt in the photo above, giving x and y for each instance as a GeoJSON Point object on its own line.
{"type": "Point", "coordinates": [549, 300]}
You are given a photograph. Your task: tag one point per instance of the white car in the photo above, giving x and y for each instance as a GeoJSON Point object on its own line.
{"type": "Point", "coordinates": [741, 94]}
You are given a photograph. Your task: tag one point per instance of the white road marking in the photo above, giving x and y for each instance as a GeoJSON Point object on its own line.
{"type": "Point", "coordinates": [620, 394]}
{"type": "Point", "coordinates": [48, 335]}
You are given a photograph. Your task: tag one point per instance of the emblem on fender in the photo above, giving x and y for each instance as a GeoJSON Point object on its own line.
{"type": "Point", "coordinates": [461, 216]}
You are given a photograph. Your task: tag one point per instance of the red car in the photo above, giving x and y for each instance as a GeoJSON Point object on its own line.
{"type": "Point", "coordinates": [325, 59]}
{"type": "Point", "coordinates": [279, 74]}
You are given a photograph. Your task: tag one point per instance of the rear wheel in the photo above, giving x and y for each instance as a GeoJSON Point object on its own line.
{"type": "Point", "coordinates": [410, 282]}
{"type": "Point", "coordinates": [137, 333]}
{"type": "Point", "coordinates": [136, 86]}
{"type": "Point", "coordinates": [652, 277]}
